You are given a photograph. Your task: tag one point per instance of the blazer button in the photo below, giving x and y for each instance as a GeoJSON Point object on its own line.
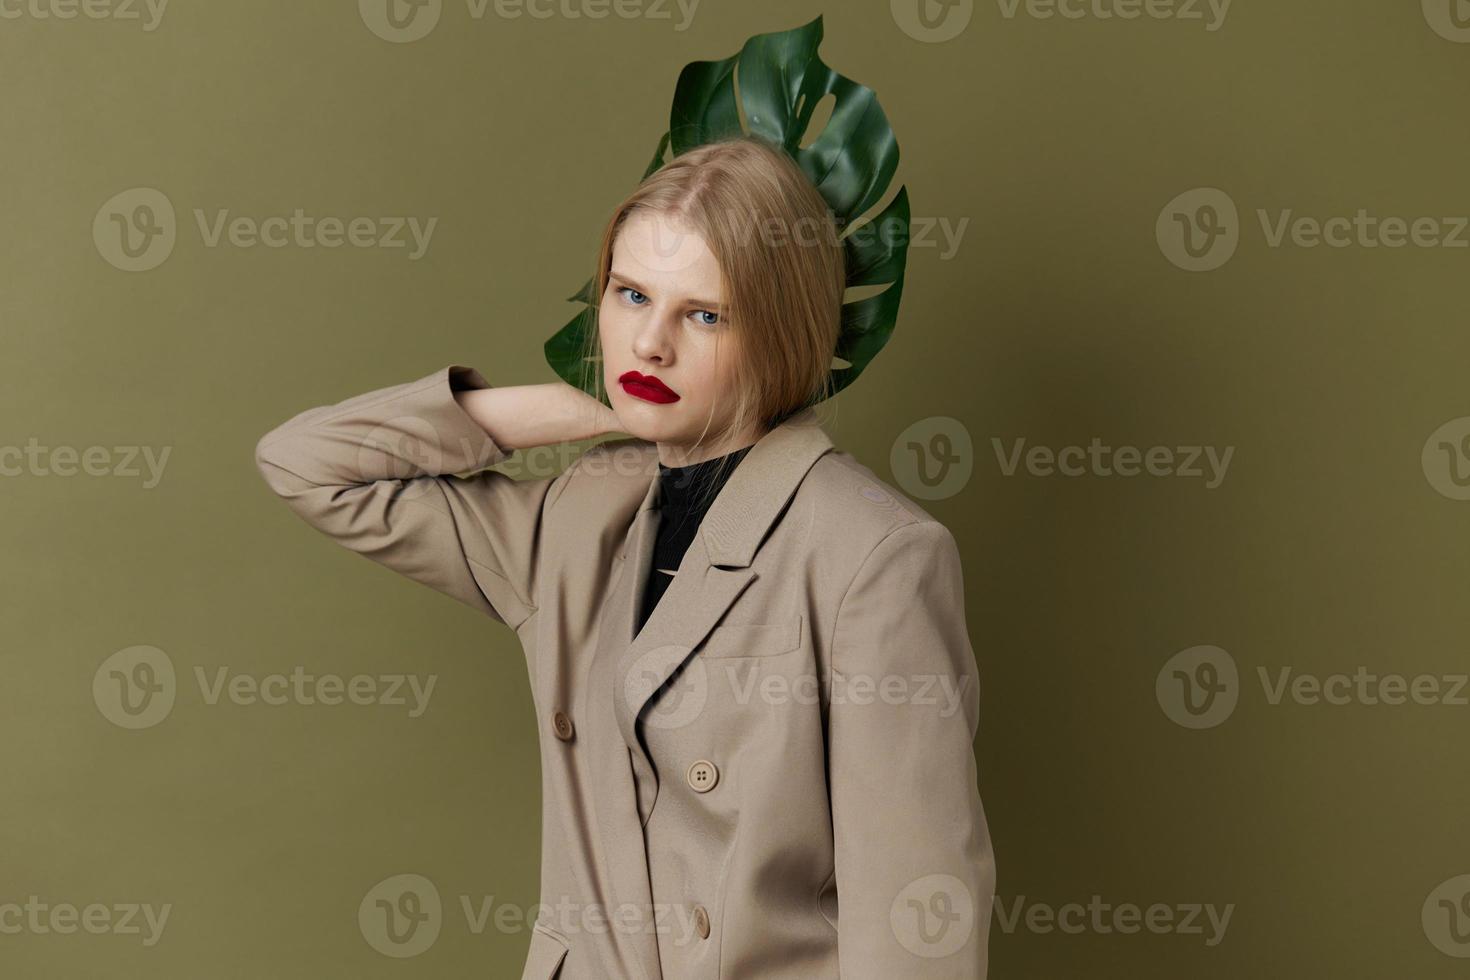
{"type": "Point", "coordinates": [701, 922]}
{"type": "Point", "coordinates": [702, 776]}
{"type": "Point", "coordinates": [562, 726]}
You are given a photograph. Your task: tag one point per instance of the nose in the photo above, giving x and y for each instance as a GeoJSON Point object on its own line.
{"type": "Point", "coordinates": [654, 340]}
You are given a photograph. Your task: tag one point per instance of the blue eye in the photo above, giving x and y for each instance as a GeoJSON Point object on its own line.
{"type": "Point", "coordinates": [635, 298]}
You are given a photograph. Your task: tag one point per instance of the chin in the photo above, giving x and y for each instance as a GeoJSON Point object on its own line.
{"type": "Point", "coordinates": [647, 421]}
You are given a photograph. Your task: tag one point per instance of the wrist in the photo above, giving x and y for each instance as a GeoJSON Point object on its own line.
{"type": "Point", "coordinates": [591, 417]}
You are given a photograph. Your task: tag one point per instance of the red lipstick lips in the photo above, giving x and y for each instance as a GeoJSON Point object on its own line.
{"type": "Point", "coordinates": [647, 387]}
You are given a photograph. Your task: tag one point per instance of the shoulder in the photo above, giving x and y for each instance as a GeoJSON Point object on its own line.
{"type": "Point", "coordinates": [887, 555]}
{"type": "Point", "coordinates": [851, 504]}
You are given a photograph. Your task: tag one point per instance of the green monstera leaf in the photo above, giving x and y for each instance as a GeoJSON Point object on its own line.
{"type": "Point", "coordinates": [851, 162]}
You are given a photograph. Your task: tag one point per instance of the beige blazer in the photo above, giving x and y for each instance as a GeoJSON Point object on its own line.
{"type": "Point", "coordinates": [775, 778]}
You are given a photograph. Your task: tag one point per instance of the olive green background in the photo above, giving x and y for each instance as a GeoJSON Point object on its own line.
{"type": "Point", "coordinates": [1059, 319]}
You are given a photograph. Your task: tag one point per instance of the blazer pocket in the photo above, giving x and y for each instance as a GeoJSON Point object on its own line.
{"type": "Point", "coordinates": [753, 639]}
{"type": "Point", "coordinates": [544, 958]}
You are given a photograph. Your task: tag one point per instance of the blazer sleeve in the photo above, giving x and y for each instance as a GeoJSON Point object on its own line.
{"type": "Point", "coordinates": [914, 866]}
{"type": "Point", "coordinates": [379, 473]}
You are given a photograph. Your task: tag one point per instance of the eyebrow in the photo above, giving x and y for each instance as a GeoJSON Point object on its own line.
{"type": "Point", "coordinates": [706, 304]}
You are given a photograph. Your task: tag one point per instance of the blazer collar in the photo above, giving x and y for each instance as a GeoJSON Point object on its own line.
{"type": "Point", "coordinates": [755, 493]}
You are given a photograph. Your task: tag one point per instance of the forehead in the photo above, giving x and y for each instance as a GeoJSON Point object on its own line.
{"type": "Point", "coordinates": [668, 256]}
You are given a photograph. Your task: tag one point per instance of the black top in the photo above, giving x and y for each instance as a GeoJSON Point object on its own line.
{"type": "Point", "coordinates": [686, 493]}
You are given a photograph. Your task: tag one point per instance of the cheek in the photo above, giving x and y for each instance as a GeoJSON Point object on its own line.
{"type": "Point", "coordinates": [611, 324]}
{"type": "Point", "coordinates": [716, 372]}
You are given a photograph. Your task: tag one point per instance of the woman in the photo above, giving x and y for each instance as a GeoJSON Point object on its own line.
{"type": "Point", "coordinates": [748, 654]}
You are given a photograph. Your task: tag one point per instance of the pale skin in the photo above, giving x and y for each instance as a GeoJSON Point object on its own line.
{"type": "Point", "coordinates": [659, 316]}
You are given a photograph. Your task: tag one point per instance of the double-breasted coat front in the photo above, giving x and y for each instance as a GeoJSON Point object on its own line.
{"type": "Point", "coordinates": [775, 777]}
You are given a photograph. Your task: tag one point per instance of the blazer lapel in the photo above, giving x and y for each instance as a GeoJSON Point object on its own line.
{"type": "Point", "coordinates": [630, 665]}
{"type": "Point", "coordinates": [715, 569]}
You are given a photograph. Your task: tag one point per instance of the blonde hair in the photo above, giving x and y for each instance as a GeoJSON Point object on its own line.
{"type": "Point", "coordinates": [781, 260]}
